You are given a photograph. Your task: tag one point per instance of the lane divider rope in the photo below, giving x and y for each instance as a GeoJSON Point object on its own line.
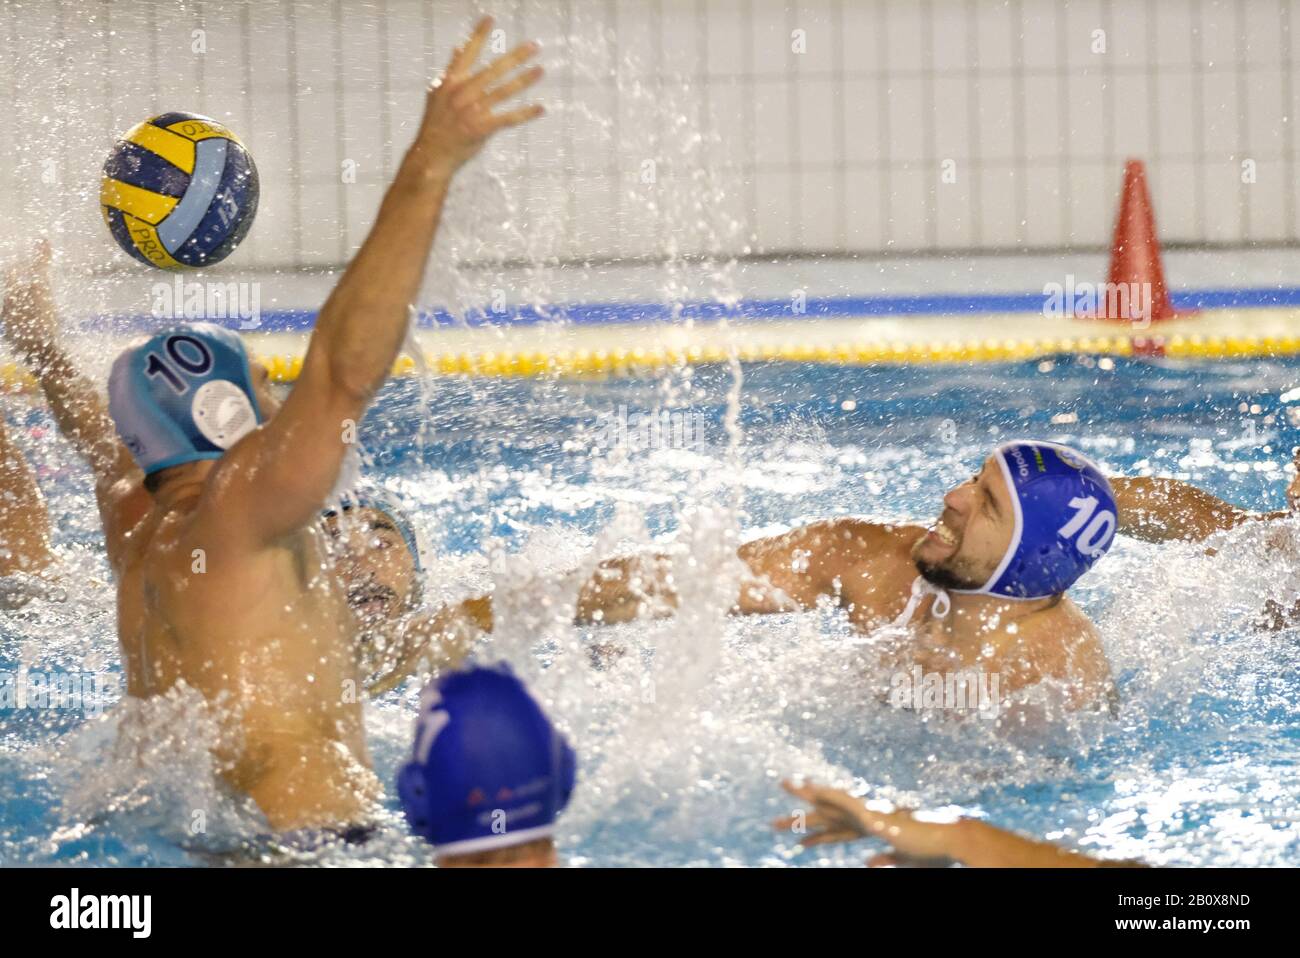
{"type": "Point", "coordinates": [285, 368]}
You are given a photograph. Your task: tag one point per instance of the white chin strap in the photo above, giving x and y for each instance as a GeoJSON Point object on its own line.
{"type": "Point", "coordinates": [983, 590]}
{"type": "Point", "coordinates": [920, 589]}
{"type": "Point", "coordinates": [942, 603]}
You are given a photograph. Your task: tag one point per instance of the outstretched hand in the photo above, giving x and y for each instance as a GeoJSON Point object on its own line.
{"type": "Point", "coordinates": [837, 816]}
{"type": "Point", "coordinates": [427, 644]}
{"type": "Point", "coordinates": [28, 318]}
{"type": "Point", "coordinates": [458, 113]}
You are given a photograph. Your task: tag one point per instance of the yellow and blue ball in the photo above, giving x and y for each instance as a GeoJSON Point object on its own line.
{"type": "Point", "coordinates": [179, 191]}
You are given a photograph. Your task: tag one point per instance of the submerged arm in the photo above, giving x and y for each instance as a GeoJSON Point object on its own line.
{"type": "Point", "coordinates": [973, 843]}
{"type": "Point", "coordinates": [837, 816]}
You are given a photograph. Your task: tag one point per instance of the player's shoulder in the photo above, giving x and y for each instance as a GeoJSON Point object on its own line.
{"type": "Point", "coordinates": [127, 508]}
{"type": "Point", "coordinates": [860, 529]}
{"type": "Point", "coordinates": [128, 499]}
{"type": "Point", "coordinates": [1075, 618]}
{"type": "Point", "coordinates": [1063, 643]}
{"type": "Point", "coordinates": [1056, 637]}
{"type": "Point", "coordinates": [1064, 619]}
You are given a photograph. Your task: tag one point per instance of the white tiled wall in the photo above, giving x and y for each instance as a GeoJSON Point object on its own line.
{"type": "Point", "coordinates": [755, 148]}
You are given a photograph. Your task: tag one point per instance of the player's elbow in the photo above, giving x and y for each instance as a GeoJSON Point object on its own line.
{"type": "Point", "coordinates": [352, 369]}
{"type": "Point", "coordinates": [354, 381]}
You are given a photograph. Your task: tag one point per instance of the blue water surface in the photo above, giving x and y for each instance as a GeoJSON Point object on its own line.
{"type": "Point", "coordinates": [1198, 767]}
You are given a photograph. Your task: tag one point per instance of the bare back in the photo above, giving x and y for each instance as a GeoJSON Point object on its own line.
{"type": "Point", "coordinates": [219, 573]}
{"type": "Point", "coordinates": [266, 637]}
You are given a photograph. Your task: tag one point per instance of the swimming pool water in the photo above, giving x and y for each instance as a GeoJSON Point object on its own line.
{"type": "Point", "coordinates": [683, 741]}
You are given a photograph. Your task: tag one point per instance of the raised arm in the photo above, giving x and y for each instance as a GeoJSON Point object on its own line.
{"type": "Point", "coordinates": [276, 479]}
{"type": "Point", "coordinates": [1161, 510]}
{"type": "Point", "coordinates": [31, 327]}
{"type": "Point", "coordinates": [24, 520]}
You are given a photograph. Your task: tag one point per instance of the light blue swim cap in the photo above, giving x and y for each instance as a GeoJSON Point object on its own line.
{"type": "Point", "coordinates": [1065, 515]}
{"type": "Point", "coordinates": [181, 395]}
{"type": "Point", "coordinates": [488, 769]}
{"type": "Point", "coordinates": [367, 495]}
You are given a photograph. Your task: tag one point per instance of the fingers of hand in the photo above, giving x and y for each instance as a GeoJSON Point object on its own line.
{"type": "Point", "coordinates": [830, 802]}
{"type": "Point", "coordinates": [502, 66]}
{"type": "Point", "coordinates": [831, 837]}
{"type": "Point", "coordinates": [470, 100]}
{"type": "Point", "coordinates": [842, 800]}
{"type": "Point", "coordinates": [501, 121]}
{"type": "Point", "coordinates": [512, 87]}
{"type": "Point", "coordinates": [465, 55]}
{"type": "Point", "coordinates": [808, 821]}
{"type": "Point", "coordinates": [470, 97]}
{"type": "Point", "coordinates": [874, 822]}
{"type": "Point", "coordinates": [806, 790]}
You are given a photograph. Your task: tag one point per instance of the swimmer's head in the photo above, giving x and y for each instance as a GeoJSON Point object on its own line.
{"type": "Point", "coordinates": [1027, 526]}
{"type": "Point", "coordinates": [381, 554]}
{"type": "Point", "coordinates": [186, 394]}
{"type": "Point", "coordinates": [489, 774]}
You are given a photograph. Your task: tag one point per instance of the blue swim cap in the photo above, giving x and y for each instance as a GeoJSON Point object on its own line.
{"type": "Point", "coordinates": [182, 395]}
{"type": "Point", "coordinates": [488, 769]}
{"type": "Point", "coordinates": [1065, 519]}
{"type": "Point", "coordinates": [367, 495]}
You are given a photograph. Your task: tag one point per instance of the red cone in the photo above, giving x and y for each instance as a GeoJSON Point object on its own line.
{"type": "Point", "coordinates": [1135, 256]}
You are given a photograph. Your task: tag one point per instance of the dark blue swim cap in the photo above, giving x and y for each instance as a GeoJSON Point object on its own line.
{"type": "Point", "coordinates": [1065, 517]}
{"type": "Point", "coordinates": [488, 768]}
{"type": "Point", "coordinates": [181, 395]}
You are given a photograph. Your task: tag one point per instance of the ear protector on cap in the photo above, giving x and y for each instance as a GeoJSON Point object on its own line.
{"type": "Point", "coordinates": [182, 395]}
